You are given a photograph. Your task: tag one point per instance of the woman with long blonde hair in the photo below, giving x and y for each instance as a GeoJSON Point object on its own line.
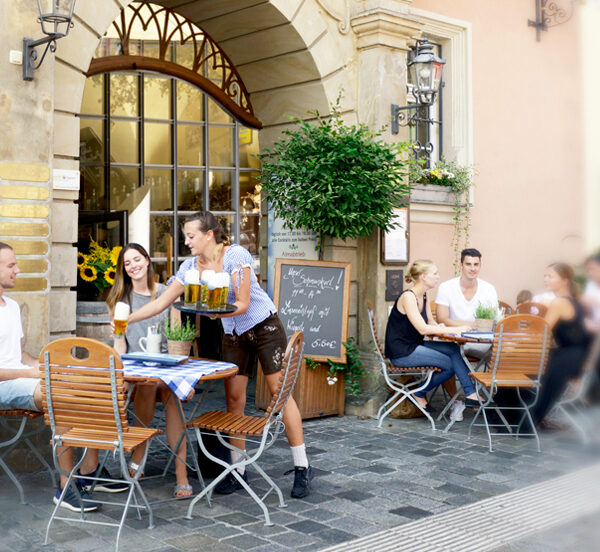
{"type": "Point", "coordinates": [135, 285]}
{"type": "Point", "coordinates": [410, 320]}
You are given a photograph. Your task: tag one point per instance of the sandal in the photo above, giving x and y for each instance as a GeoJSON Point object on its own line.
{"type": "Point", "coordinates": [133, 469]}
{"type": "Point", "coordinates": [182, 491]}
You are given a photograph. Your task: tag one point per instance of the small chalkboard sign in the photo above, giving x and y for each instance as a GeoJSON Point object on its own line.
{"type": "Point", "coordinates": [314, 297]}
{"type": "Point", "coordinates": [394, 284]}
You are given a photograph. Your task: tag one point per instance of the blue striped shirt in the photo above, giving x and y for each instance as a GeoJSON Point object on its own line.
{"type": "Point", "coordinates": [260, 308]}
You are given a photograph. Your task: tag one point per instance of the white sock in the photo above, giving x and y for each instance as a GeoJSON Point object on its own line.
{"type": "Point", "coordinates": [299, 456]}
{"type": "Point", "coordinates": [236, 457]}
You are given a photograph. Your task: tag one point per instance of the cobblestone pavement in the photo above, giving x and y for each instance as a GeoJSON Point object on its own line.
{"type": "Point", "coordinates": [367, 479]}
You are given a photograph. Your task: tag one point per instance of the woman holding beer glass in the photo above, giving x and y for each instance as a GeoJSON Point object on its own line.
{"type": "Point", "coordinates": [135, 286]}
{"type": "Point", "coordinates": [253, 332]}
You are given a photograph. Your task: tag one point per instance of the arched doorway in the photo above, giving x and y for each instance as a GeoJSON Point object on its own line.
{"type": "Point", "coordinates": [166, 129]}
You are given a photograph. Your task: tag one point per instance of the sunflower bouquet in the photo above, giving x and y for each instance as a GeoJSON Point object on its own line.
{"type": "Point", "coordinates": [99, 265]}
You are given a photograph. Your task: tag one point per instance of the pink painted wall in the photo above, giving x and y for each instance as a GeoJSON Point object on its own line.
{"type": "Point", "coordinates": [527, 138]}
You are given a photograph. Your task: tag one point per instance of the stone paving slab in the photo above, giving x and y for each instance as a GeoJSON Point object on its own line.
{"type": "Point", "coordinates": [367, 479]}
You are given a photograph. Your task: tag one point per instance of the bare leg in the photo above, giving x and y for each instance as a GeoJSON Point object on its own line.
{"type": "Point", "coordinates": [235, 393]}
{"type": "Point", "coordinates": [174, 431]}
{"type": "Point", "coordinates": [291, 414]}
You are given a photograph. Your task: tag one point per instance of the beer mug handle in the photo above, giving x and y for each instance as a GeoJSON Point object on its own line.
{"type": "Point", "coordinates": [142, 343]}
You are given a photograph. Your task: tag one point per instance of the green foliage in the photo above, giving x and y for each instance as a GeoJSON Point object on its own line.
{"type": "Point", "coordinates": [352, 370]}
{"type": "Point", "coordinates": [460, 179]}
{"type": "Point", "coordinates": [487, 313]}
{"type": "Point", "coordinates": [179, 332]}
{"type": "Point", "coordinates": [334, 179]}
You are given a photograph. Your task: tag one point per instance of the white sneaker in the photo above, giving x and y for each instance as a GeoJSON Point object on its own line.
{"type": "Point", "coordinates": [456, 411]}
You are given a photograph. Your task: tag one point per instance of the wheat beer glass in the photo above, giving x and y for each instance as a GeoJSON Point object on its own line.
{"type": "Point", "coordinates": [214, 292]}
{"type": "Point", "coordinates": [224, 287]}
{"type": "Point", "coordinates": [206, 274]}
{"type": "Point", "coordinates": [121, 316]}
{"type": "Point", "coordinates": [192, 287]}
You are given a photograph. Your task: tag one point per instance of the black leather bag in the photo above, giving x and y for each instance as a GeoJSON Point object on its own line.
{"type": "Point", "coordinates": [208, 468]}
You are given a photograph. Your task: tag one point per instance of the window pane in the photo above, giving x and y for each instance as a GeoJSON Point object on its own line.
{"type": "Point", "coordinates": [123, 182]}
{"type": "Point", "coordinates": [190, 145]}
{"type": "Point", "coordinates": [248, 141]}
{"type": "Point", "coordinates": [158, 181]}
{"type": "Point", "coordinates": [91, 195]}
{"type": "Point", "coordinates": [157, 98]}
{"type": "Point", "coordinates": [190, 104]}
{"type": "Point", "coordinates": [124, 95]}
{"type": "Point", "coordinates": [184, 250]}
{"type": "Point", "coordinates": [91, 141]}
{"type": "Point", "coordinates": [220, 146]}
{"type": "Point", "coordinates": [190, 188]}
{"type": "Point", "coordinates": [157, 143]}
{"type": "Point", "coordinates": [216, 114]}
{"type": "Point", "coordinates": [249, 192]}
{"type": "Point", "coordinates": [93, 96]}
{"type": "Point", "coordinates": [160, 268]}
{"type": "Point", "coordinates": [219, 188]}
{"type": "Point", "coordinates": [226, 221]}
{"type": "Point", "coordinates": [249, 232]}
{"type": "Point", "coordinates": [124, 142]}
{"type": "Point", "coordinates": [161, 236]}
{"type": "Point", "coordinates": [184, 54]}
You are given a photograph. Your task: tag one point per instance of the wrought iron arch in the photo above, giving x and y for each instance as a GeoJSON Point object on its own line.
{"type": "Point", "coordinates": [165, 26]}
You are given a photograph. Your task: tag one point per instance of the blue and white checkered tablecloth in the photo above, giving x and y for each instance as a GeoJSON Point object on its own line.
{"type": "Point", "coordinates": [180, 378]}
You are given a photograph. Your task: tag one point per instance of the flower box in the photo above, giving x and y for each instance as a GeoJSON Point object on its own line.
{"type": "Point", "coordinates": [314, 396]}
{"type": "Point", "coordinates": [431, 193]}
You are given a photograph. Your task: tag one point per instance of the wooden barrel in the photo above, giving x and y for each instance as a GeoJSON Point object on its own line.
{"type": "Point", "coordinates": [92, 320]}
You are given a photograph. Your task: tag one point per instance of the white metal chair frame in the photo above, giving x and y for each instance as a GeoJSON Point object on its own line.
{"type": "Point", "coordinates": [401, 391]}
{"type": "Point", "coordinates": [533, 382]}
{"type": "Point", "coordinates": [81, 379]}
{"type": "Point", "coordinates": [18, 433]}
{"type": "Point", "coordinates": [272, 427]}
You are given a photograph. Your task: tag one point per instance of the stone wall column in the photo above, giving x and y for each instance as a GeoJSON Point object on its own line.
{"type": "Point", "coordinates": [384, 34]}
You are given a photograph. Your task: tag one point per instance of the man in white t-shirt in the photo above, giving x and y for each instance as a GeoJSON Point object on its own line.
{"type": "Point", "coordinates": [456, 302]}
{"type": "Point", "coordinates": [20, 385]}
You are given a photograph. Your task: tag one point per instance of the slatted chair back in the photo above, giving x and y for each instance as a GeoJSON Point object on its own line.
{"type": "Point", "coordinates": [291, 362]}
{"type": "Point", "coordinates": [520, 345]}
{"type": "Point", "coordinates": [83, 392]}
{"type": "Point", "coordinates": [508, 310]}
{"type": "Point", "coordinates": [531, 307]}
{"type": "Point", "coordinates": [433, 307]}
{"type": "Point", "coordinates": [376, 341]}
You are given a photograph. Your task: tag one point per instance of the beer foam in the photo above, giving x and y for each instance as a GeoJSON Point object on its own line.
{"type": "Point", "coordinates": [121, 311]}
{"type": "Point", "coordinates": [206, 274]}
{"type": "Point", "coordinates": [192, 276]}
{"type": "Point", "coordinates": [213, 281]}
{"type": "Point", "coordinates": [223, 279]}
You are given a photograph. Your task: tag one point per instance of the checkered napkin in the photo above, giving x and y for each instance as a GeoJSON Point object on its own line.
{"type": "Point", "coordinates": [180, 378]}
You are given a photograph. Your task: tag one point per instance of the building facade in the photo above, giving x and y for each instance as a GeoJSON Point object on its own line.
{"type": "Point", "coordinates": [157, 131]}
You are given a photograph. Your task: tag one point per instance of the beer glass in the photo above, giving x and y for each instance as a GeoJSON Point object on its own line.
{"type": "Point", "coordinates": [121, 316]}
{"type": "Point", "coordinates": [224, 285]}
{"type": "Point", "coordinates": [192, 287]}
{"type": "Point", "coordinates": [214, 292]}
{"type": "Point", "coordinates": [206, 274]}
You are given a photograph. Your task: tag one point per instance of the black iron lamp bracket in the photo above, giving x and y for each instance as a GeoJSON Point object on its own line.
{"type": "Point", "coordinates": [401, 116]}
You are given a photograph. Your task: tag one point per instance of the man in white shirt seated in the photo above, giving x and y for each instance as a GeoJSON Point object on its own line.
{"type": "Point", "coordinates": [457, 300]}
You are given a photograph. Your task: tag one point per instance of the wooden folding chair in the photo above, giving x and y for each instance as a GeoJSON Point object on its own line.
{"type": "Point", "coordinates": [84, 404]}
{"type": "Point", "coordinates": [571, 404]}
{"type": "Point", "coordinates": [259, 431]}
{"type": "Point", "coordinates": [531, 307]}
{"type": "Point", "coordinates": [14, 422]}
{"type": "Point", "coordinates": [519, 357]}
{"type": "Point", "coordinates": [508, 310]}
{"type": "Point", "coordinates": [420, 378]}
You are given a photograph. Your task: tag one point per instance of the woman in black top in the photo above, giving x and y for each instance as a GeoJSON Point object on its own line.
{"type": "Point", "coordinates": [410, 320]}
{"type": "Point", "coordinates": [566, 318]}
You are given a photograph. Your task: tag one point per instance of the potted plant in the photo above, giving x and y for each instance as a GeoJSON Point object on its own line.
{"type": "Point", "coordinates": [179, 337]}
{"type": "Point", "coordinates": [335, 179]}
{"type": "Point", "coordinates": [457, 180]}
{"type": "Point", "coordinates": [485, 318]}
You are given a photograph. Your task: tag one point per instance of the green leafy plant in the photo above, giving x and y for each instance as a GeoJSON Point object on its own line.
{"type": "Point", "coordinates": [335, 179]}
{"type": "Point", "coordinates": [486, 313]}
{"type": "Point", "coordinates": [180, 332]}
{"type": "Point", "coordinates": [352, 370]}
{"type": "Point", "coordinates": [460, 179]}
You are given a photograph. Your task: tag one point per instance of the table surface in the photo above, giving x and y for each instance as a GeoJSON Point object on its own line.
{"type": "Point", "coordinates": [172, 369]}
{"type": "Point", "coordinates": [464, 339]}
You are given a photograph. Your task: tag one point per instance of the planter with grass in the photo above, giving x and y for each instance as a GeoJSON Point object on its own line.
{"type": "Point", "coordinates": [180, 337]}
{"type": "Point", "coordinates": [485, 318]}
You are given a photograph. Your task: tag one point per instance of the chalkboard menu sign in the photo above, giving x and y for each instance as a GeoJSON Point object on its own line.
{"type": "Point", "coordinates": [313, 297]}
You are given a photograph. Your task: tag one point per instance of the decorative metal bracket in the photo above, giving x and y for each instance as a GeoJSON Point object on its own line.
{"type": "Point", "coordinates": [401, 116]}
{"type": "Point", "coordinates": [30, 54]}
{"type": "Point", "coordinates": [549, 13]}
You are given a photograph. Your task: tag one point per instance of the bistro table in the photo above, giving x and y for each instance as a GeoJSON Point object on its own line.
{"type": "Point", "coordinates": [181, 379]}
{"type": "Point", "coordinates": [486, 338]}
